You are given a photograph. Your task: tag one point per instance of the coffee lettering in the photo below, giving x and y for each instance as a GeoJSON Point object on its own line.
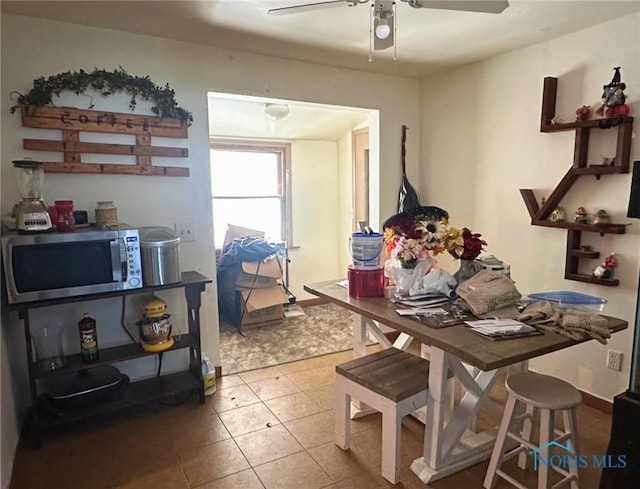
{"type": "Point", "coordinates": [64, 117]}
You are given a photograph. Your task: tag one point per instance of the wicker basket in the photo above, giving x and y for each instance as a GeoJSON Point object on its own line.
{"type": "Point", "coordinates": [106, 214]}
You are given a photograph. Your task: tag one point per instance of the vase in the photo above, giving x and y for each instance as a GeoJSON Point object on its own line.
{"type": "Point", "coordinates": [468, 268]}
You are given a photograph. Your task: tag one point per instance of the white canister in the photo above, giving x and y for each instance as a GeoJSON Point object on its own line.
{"type": "Point", "coordinates": [365, 250]}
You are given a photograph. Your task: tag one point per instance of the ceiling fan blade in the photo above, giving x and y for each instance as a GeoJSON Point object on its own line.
{"type": "Point", "coordinates": [308, 7]}
{"type": "Point", "coordinates": [486, 6]}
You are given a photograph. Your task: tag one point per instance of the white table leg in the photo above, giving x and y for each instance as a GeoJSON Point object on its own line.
{"type": "Point", "coordinates": [403, 341]}
{"type": "Point", "coordinates": [359, 409]}
{"type": "Point", "coordinates": [449, 446]}
{"type": "Point", "coordinates": [359, 336]}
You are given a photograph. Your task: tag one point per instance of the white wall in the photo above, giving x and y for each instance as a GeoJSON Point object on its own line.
{"type": "Point", "coordinates": [481, 142]}
{"type": "Point", "coordinates": [344, 223]}
{"type": "Point", "coordinates": [315, 212]}
{"type": "Point", "coordinates": [34, 47]}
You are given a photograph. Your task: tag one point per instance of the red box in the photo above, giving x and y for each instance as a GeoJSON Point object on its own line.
{"type": "Point", "coordinates": [365, 283]}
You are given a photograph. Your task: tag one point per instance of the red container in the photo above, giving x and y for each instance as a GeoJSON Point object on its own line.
{"type": "Point", "coordinates": [365, 283]}
{"type": "Point", "coordinates": [64, 215]}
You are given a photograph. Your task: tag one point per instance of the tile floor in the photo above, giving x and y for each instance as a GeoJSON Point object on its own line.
{"type": "Point", "coordinates": [270, 428]}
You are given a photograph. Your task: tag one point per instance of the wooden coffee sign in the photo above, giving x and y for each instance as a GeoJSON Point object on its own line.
{"type": "Point", "coordinates": [72, 122]}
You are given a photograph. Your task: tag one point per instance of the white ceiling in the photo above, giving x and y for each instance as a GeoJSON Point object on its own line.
{"type": "Point", "coordinates": [427, 41]}
{"type": "Point", "coordinates": [235, 116]}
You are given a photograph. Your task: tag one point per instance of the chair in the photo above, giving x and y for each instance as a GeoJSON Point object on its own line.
{"type": "Point", "coordinates": [548, 394]}
{"type": "Point", "coordinates": [390, 381]}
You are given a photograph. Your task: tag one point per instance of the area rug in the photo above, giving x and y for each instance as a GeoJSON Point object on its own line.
{"type": "Point", "coordinates": [323, 329]}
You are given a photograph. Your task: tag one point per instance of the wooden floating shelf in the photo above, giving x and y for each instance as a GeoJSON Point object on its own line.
{"type": "Point", "coordinates": [581, 277]}
{"type": "Point", "coordinates": [540, 213]}
{"type": "Point", "coordinates": [592, 228]}
{"type": "Point", "coordinates": [598, 170]}
{"type": "Point", "coordinates": [592, 123]}
{"type": "Point", "coordinates": [585, 254]}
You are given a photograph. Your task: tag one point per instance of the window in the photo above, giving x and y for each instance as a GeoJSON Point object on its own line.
{"type": "Point", "coordinates": [251, 188]}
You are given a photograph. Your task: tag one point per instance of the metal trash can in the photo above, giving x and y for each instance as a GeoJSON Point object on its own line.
{"type": "Point", "coordinates": [160, 248]}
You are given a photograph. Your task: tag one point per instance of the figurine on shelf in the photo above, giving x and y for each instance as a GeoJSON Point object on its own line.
{"type": "Point", "coordinates": [602, 217]}
{"type": "Point", "coordinates": [606, 161]}
{"type": "Point", "coordinates": [613, 99]}
{"type": "Point", "coordinates": [558, 215]}
{"type": "Point", "coordinates": [583, 113]}
{"type": "Point", "coordinates": [606, 268]}
{"type": "Point", "coordinates": [582, 216]}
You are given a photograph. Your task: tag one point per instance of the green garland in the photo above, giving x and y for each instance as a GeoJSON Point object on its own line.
{"type": "Point", "coordinates": [106, 83]}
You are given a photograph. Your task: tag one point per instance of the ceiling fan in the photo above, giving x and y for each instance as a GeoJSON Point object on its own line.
{"type": "Point", "coordinates": [383, 13]}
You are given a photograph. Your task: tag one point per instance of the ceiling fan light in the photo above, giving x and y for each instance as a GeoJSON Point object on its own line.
{"type": "Point", "coordinates": [275, 112]}
{"type": "Point", "coordinates": [382, 24]}
{"type": "Point", "coordinates": [383, 29]}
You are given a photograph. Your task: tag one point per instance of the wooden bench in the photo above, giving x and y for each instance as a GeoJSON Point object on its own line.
{"type": "Point", "coordinates": [391, 381]}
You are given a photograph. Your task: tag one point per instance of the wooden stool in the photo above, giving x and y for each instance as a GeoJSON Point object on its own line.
{"type": "Point", "coordinates": [391, 381]}
{"type": "Point", "coordinates": [548, 394]}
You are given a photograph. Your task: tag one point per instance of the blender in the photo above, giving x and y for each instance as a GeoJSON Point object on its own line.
{"type": "Point", "coordinates": [30, 212]}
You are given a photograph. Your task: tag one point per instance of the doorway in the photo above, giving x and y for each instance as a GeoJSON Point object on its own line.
{"type": "Point", "coordinates": [319, 180]}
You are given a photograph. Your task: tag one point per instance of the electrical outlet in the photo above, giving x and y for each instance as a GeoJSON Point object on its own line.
{"type": "Point", "coordinates": [614, 360]}
{"type": "Point", "coordinates": [186, 231]}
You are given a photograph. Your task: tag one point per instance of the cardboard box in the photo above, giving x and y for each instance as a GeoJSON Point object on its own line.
{"type": "Point", "coordinates": [260, 274]}
{"type": "Point", "coordinates": [260, 306]}
{"type": "Point", "coordinates": [234, 232]}
{"type": "Point", "coordinates": [255, 299]}
{"type": "Point", "coordinates": [263, 317]}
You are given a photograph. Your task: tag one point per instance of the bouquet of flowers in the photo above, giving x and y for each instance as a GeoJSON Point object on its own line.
{"type": "Point", "coordinates": [411, 238]}
{"type": "Point", "coordinates": [464, 244]}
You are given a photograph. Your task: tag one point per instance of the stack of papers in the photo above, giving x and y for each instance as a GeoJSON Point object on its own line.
{"type": "Point", "coordinates": [501, 327]}
{"type": "Point", "coordinates": [422, 300]}
{"type": "Point", "coordinates": [422, 311]}
{"type": "Point", "coordinates": [422, 305]}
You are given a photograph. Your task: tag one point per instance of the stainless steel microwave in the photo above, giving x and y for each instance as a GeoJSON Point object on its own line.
{"type": "Point", "coordinates": [55, 265]}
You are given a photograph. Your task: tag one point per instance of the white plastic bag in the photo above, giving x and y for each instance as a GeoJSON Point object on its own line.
{"type": "Point", "coordinates": [438, 281]}
{"type": "Point", "coordinates": [407, 280]}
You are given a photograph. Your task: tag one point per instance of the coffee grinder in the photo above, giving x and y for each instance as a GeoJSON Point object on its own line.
{"type": "Point", "coordinates": [30, 212]}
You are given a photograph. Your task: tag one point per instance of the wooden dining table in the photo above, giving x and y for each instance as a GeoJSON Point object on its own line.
{"type": "Point", "coordinates": [475, 361]}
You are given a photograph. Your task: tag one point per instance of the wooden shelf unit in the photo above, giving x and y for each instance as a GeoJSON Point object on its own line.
{"type": "Point", "coordinates": [540, 213]}
{"type": "Point", "coordinates": [186, 382]}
